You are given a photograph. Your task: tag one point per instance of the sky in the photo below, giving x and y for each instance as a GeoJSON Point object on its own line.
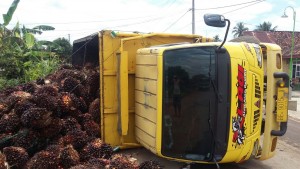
{"type": "Point", "coordinates": [75, 19]}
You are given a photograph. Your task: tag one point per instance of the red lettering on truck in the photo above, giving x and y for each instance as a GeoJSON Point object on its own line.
{"type": "Point", "coordinates": [238, 121]}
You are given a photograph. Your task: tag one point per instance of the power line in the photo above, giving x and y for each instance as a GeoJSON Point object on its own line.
{"type": "Point", "coordinates": [69, 23]}
{"type": "Point", "coordinates": [184, 27]}
{"type": "Point", "coordinates": [172, 3]}
{"type": "Point", "coordinates": [164, 3]}
{"type": "Point", "coordinates": [230, 5]}
{"type": "Point", "coordinates": [252, 3]}
{"type": "Point", "coordinates": [124, 25]}
{"type": "Point", "coordinates": [135, 23]}
{"type": "Point", "coordinates": [177, 20]}
{"type": "Point", "coordinates": [95, 21]}
{"type": "Point", "coordinates": [66, 34]}
{"type": "Point", "coordinates": [244, 7]}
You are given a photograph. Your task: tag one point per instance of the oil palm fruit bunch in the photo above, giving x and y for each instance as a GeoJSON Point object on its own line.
{"type": "Point", "coordinates": [16, 157]}
{"type": "Point", "coordinates": [54, 123]}
{"type": "Point", "coordinates": [43, 160]}
{"type": "Point", "coordinates": [36, 118]}
{"type": "Point", "coordinates": [119, 161]}
{"type": "Point", "coordinates": [9, 123]}
{"type": "Point", "coordinates": [150, 164]}
{"type": "Point", "coordinates": [69, 157]}
{"type": "Point", "coordinates": [77, 138]}
{"type": "Point", "coordinates": [92, 150]}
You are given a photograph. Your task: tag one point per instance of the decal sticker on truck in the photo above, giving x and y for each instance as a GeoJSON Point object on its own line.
{"type": "Point", "coordinates": [238, 122]}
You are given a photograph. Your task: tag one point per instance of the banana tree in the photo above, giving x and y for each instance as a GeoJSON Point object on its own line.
{"type": "Point", "coordinates": [7, 17]}
{"type": "Point", "coordinates": [22, 57]}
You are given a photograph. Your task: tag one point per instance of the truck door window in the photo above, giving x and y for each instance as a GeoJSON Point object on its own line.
{"type": "Point", "coordinates": [278, 61]}
{"type": "Point", "coordinates": [188, 99]}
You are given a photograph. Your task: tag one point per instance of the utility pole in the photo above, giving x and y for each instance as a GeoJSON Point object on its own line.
{"type": "Point", "coordinates": [69, 38]}
{"type": "Point", "coordinates": [193, 17]}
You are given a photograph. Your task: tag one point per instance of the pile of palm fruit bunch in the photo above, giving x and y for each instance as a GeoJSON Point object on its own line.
{"type": "Point", "coordinates": [54, 123]}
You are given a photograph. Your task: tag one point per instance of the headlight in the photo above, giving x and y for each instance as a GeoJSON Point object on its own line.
{"type": "Point", "coordinates": [258, 55]}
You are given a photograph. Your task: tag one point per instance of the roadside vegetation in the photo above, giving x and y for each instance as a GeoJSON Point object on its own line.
{"type": "Point", "coordinates": [23, 58]}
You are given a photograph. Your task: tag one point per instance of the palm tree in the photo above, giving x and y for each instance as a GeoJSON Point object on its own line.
{"type": "Point", "coordinates": [239, 29]}
{"type": "Point", "coordinates": [265, 26]}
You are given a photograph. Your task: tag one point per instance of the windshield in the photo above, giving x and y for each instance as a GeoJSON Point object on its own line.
{"type": "Point", "coordinates": [188, 100]}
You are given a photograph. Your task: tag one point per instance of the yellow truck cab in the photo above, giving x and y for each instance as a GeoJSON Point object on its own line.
{"type": "Point", "coordinates": [187, 99]}
{"type": "Point", "coordinates": [221, 121]}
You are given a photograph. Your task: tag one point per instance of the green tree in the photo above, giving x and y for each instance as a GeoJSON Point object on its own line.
{"type": "Point", "coordinates": [217, 38]}
{"type": "Point", "coordinates": [63, 48]}
{"type": "Point", "coordinates": [265, 26]}
{"type": "Point", "coordinates": [10, 57]}
{"type": "Point", "coordinates": [239, 29]}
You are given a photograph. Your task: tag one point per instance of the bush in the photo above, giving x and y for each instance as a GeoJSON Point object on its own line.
{"type": "Point", "coordinates": [41, 68]}
{"type": "Point", "coordinates": [4, 83]}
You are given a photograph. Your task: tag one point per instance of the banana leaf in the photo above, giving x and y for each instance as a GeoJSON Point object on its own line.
{"type": "Point", "coordinates": [44, 28]}
{"type": "Point", "coordinates": [29, 39]}
{"type": "Point", "coordinates": [34, 31]}
{"type": "Point", "coordinates": [7, 17]}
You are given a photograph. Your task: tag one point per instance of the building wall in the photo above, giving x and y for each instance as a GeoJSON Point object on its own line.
{"type": "Point", "coordinates": [285, 65]}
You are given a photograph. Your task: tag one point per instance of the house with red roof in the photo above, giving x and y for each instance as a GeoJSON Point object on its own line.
{"type": "Point", "coordinates": [284, 40]}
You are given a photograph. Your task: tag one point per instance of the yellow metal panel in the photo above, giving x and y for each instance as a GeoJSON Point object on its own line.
{"type": "Point", "coordinates": [270, 118]}
{"type": "Point", "coordinates": [234, 149]}
{"type": "Point", "coordinates": [146, 98]}
{"type": "Point", "coordinates": [240, 138]}
{"type": "Point", "coordinates": [146, 60]}
{"type": "Point", "coordinates": [246, 152]}
{"type": "Point", "coordinates": [109, 47]}
{"type": "Point", "coordinates": [146, 71]}
{"type": "Point", "coordinates": [146, 140]}
{"type": "Point", "coordinates": [235, 50]}
{"type": "Point", "coordinates": [145, 51]}
{"type": "Point", "coordinates": [235, 63]}
{"type": "Point", "coordinates": [123, 91]}
{"type": "Point", "coordinates": [146, 125]}
{"type": "Point", "coordinates": [146, 112]}
{"type": "Point", "coordinates": [110, 92]}
{"type": "Point", "coordinates": [111, 129]}
{"type": "Point", "coordinates": [146, 85]}
{"type": "Point", "coordinates": [257, 106]}
{"type": "Point", "coordinates": [130, 138]}
{"type": "Point", "coordinates": [249, 52]}
{"type": "Point", "coordinates": [131, 92]}
{"type": "Point", "coordinates": [159, 102]}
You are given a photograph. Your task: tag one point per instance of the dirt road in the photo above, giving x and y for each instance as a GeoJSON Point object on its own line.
{"type": "Point", "coordinates": [288, 154]}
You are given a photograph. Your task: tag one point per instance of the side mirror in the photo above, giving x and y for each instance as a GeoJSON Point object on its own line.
{"type": "Point", "coordinates": [217, 21]}
{"type": "Point", "coordinates": [214, 20]}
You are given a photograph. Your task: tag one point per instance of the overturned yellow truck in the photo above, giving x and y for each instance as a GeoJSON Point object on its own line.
{"type": "Point", "coordinates": [186, 98]}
